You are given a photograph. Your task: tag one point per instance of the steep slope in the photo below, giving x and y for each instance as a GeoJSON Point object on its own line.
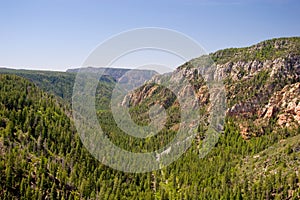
{"type": "Point", "coordinates": [254, 76]}
{"type": "Point", "coordinates": [35, 137]}
{"type": "Point", "coordinates": [42, 157]}
{"type": "Point", "coordinates": [259, 81]}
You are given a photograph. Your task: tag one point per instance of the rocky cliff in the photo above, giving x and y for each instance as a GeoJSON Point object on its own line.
{"type": "Point", "coordinates": [261, 84]}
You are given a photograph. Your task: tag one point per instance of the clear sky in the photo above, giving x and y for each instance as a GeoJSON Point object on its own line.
{"type": "Point", "coordinates": [60, 34]}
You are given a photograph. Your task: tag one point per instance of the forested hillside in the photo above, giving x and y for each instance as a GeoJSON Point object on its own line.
{"type": "Point", "coordinates": [61, 83]}
{"type": "Point", "coordinates": [257, 155]}
{"type": "Point", "coordinates": [57, 83]}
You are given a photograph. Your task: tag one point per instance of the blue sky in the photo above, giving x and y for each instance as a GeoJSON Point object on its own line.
{"type": "Point", "coordinates": [60, 34]}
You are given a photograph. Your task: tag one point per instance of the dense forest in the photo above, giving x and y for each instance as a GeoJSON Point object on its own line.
{"type": "Point", "coordinates": [256, 157]}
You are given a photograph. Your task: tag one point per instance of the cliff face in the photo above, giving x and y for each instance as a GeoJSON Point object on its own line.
{"type": "Point", "coordinates": [256, 90]}
{"type": "Point", "coordinates": [261, 82]}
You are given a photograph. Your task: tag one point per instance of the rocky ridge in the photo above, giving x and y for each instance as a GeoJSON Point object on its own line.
{"type": "Point", "coordinates": [261, 83]}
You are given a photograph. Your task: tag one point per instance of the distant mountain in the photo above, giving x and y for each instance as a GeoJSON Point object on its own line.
{"type": "Point", "coordinates": [118, 73]}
